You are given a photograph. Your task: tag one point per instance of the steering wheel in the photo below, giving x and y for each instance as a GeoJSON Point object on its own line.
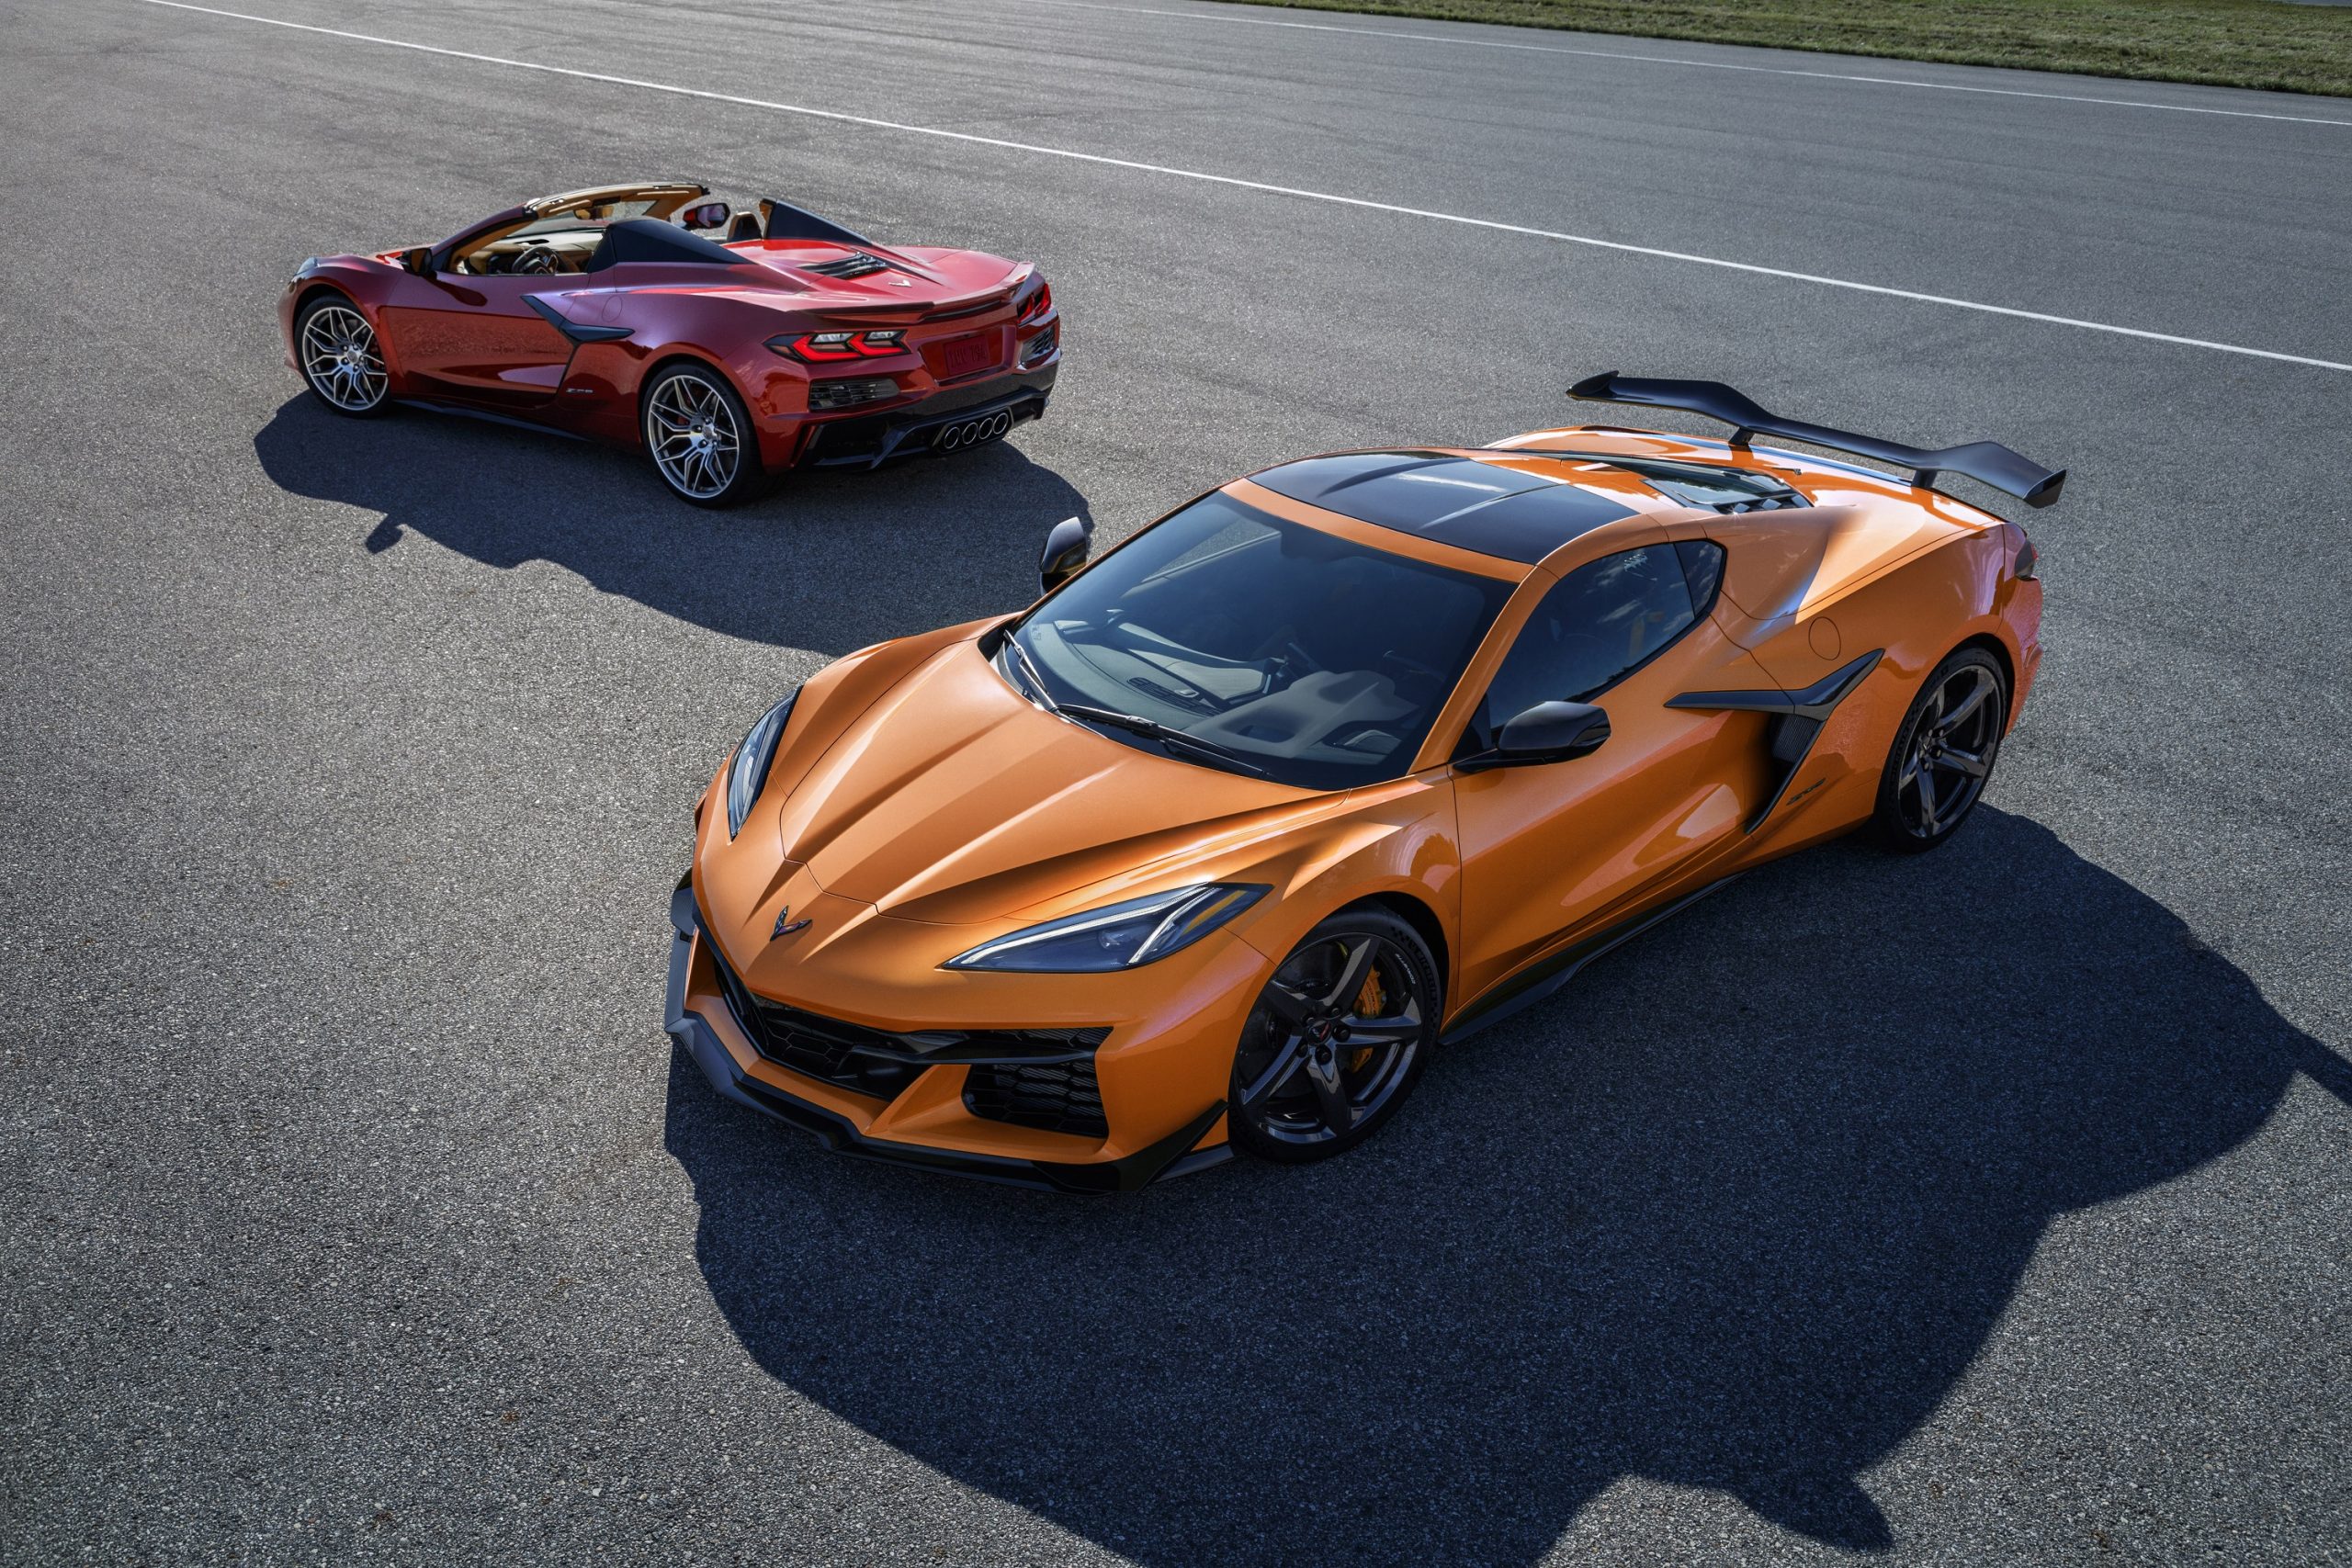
{"type": "Point", "coordinates": [1295, 662]}
{"type": "Point", "coordinates": [537, 259]}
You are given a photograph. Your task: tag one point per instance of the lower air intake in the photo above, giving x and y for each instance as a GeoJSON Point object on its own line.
{"type": "Point", "coordinates": [1054, 1097]}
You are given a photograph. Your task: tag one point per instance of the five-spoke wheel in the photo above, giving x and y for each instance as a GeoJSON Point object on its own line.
{"type": "Point", "coordinates": [1944, 752]}
{"type": "Point", "coordinates": [1337, 1039]}
{"type": "Point", "coordinates": [701, 436]}
{"type": "Point", "coordinates": [340, 360]}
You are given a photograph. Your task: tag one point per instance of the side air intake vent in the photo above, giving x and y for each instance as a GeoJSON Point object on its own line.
{"type": "Point", "coordinates": [859, 264]}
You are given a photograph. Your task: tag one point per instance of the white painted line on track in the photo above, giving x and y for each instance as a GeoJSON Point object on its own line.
{"type": "Point", "coordinates": [1693, 64]}
{"type": "Point", "coordinates": [1231, 181]}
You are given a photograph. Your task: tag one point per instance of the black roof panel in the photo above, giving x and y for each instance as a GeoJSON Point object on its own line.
{"type": "Point", "coordinates": [1485, 507]}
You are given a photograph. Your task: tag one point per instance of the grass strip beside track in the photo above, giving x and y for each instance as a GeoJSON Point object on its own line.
{"type": "Point", "coordinates": [2228, 43]}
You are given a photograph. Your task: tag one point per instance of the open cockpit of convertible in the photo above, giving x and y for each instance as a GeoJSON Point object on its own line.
{"type": "Point", "coordinates": [730, 344]}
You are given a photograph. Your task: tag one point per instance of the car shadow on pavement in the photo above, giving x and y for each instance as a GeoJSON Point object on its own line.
{"type": "Point", "coordinates": [926, 543]}
{"type": "Point", "coordinates": [1736, 1212]}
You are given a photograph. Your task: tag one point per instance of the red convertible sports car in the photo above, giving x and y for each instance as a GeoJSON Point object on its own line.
{"type": "Point", "coordinates": [788, 341]}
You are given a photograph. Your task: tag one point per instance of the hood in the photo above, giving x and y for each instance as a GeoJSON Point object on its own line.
{"type": "Point", "coordinates": [952, 799]}
{"type": "Point", "coordinates": [885, 276]}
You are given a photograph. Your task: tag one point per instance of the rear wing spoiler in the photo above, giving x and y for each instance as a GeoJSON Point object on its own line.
{"type": "Point", "coordinates": [782, 220]}
{"type": "Point", "coordinates": [1987, 462]}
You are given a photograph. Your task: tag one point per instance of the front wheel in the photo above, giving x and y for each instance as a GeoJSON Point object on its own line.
{"type": "Point", "coordinates": [1943, 755]}
{"type": "Point", "coordinates": [341, 361]}
{"type": "Point", "coordinates": [700, 436]}
{"type": "Point", "coordinates": [1336, 1041]}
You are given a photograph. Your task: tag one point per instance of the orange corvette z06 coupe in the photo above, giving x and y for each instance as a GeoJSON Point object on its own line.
{"type": "Point", "coordinates": [607, 313]}
{"type": "Point", "coordinates": [1211, 847]}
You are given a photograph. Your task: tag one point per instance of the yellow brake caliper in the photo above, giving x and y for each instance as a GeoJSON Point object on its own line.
{"type": "Point", "coordinates": [1370, 1003]}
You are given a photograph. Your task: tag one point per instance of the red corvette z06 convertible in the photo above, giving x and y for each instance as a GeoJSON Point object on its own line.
{"type": "Point", "coordinates": [786, 341]}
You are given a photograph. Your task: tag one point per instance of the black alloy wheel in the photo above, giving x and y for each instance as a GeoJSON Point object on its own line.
{"type": "Point", "coordinates": [1943, 755]}
{"type": "Point", "coordinates": [1336, 1041]}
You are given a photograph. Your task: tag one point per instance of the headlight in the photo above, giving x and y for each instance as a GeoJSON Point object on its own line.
{"type": "Point", "coordinates": [748, 774]}
{"type": "Point", "coordinates": [1118, 937]}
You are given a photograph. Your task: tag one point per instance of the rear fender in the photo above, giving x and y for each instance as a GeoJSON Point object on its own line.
{"type": "Point", "coordinates": [666, 324]}
{"type": "Point", "coordinates": [1912, 611]}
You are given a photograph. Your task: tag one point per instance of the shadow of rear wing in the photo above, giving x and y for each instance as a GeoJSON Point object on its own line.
{"type": "Point", "coordinates": [1987, 462]}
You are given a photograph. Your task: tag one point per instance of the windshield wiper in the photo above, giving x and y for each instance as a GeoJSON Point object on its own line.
{"type": "Point", "coordinates": [1029, 675]}
{"type": "Point", "coordinates": [1167, 735]}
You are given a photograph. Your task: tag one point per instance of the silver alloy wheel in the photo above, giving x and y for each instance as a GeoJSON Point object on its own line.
{"type": "Point", "coordinates": [693, 436]}
{"type": "Point", "coordinates": [1951, 754]}
{"type": "Point", "coordinates": [340, 360]}
{"type": "Point", "coordinates": [1333, 1039]}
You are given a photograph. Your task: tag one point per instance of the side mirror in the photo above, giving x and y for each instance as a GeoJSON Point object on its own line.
{"type": "Point", "coordinates": [709, 215]}
{"type": "Point", "coordinates": [1067, 545]}
{"type": "Point", "coordinates": [418, 259]}
{"type": "Point", "coordinates": [1548, 732]}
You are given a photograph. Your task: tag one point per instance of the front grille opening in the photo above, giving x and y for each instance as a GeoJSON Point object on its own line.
{"type": "Point", "coordinates": [1054, 1097]}
{"type": "Point", "coordinates": [875, 1062]}
{"type": "Point", "coordinates": [821, 1047]}
{"type": "Point", "coordinates": [857, 264]}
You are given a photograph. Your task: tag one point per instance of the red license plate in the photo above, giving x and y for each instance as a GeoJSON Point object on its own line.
{"type": "Point", "coordinates": [968, 356]}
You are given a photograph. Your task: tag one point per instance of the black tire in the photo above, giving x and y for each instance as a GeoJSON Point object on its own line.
{"type": "Point", "coordinates": [341, 362]}
{"type": "Point", "coordinates": [1943, 754]}
{"type": "Point", "coordinates": [700, 437]}
{"type": "Point", "coordinates": [1305, 1050]}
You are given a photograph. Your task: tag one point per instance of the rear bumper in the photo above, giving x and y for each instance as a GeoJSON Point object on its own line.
{"type": "Point", "coordinates": [868, 441]}
{"type": "Point", "coordinates": [685, 1020]}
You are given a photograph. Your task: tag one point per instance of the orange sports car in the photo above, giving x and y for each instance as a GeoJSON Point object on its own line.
{"type": "Point", "coordinates": [1216, 844]}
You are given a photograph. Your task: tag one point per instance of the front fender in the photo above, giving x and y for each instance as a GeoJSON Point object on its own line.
{"type": "Point", "coordinates": [365, 282]}
{"type": "Point", "coordinates": [1395, 840]}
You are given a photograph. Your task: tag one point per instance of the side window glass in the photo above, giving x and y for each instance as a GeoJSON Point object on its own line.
{"type": "Point", "coordinates": [1600, 623]}
{"type": "Point", "coordinates": [1702, 569]}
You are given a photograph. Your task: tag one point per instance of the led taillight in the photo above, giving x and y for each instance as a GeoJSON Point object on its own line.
{"type": "Point", "coordinates": [830, 348]}
{"type": "Point", "coordinates": [1039, 303]}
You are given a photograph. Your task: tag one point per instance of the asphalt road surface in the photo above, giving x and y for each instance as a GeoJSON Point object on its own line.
{"type": "Point", "coordinates": [1984, 1208]}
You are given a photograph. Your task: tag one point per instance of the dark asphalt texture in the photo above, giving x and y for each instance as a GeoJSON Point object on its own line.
{"type": "Point", "coordinates": [1982, 1208]}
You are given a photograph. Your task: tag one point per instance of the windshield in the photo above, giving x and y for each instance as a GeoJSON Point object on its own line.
{"type": "Point", "coordinates": [1314, 661]}
{"type": "Point", "coordinates": [584, 218]}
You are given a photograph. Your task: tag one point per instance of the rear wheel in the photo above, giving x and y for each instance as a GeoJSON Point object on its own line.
{"type": "Point", "coordinates": [1336, 1041]}
{"type": "Point", "coordinates": [1943, 755]}
{"type": "Point", "coordinates": [700, 436]}
{"type": "Point", "coordinates": [341, 361]}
